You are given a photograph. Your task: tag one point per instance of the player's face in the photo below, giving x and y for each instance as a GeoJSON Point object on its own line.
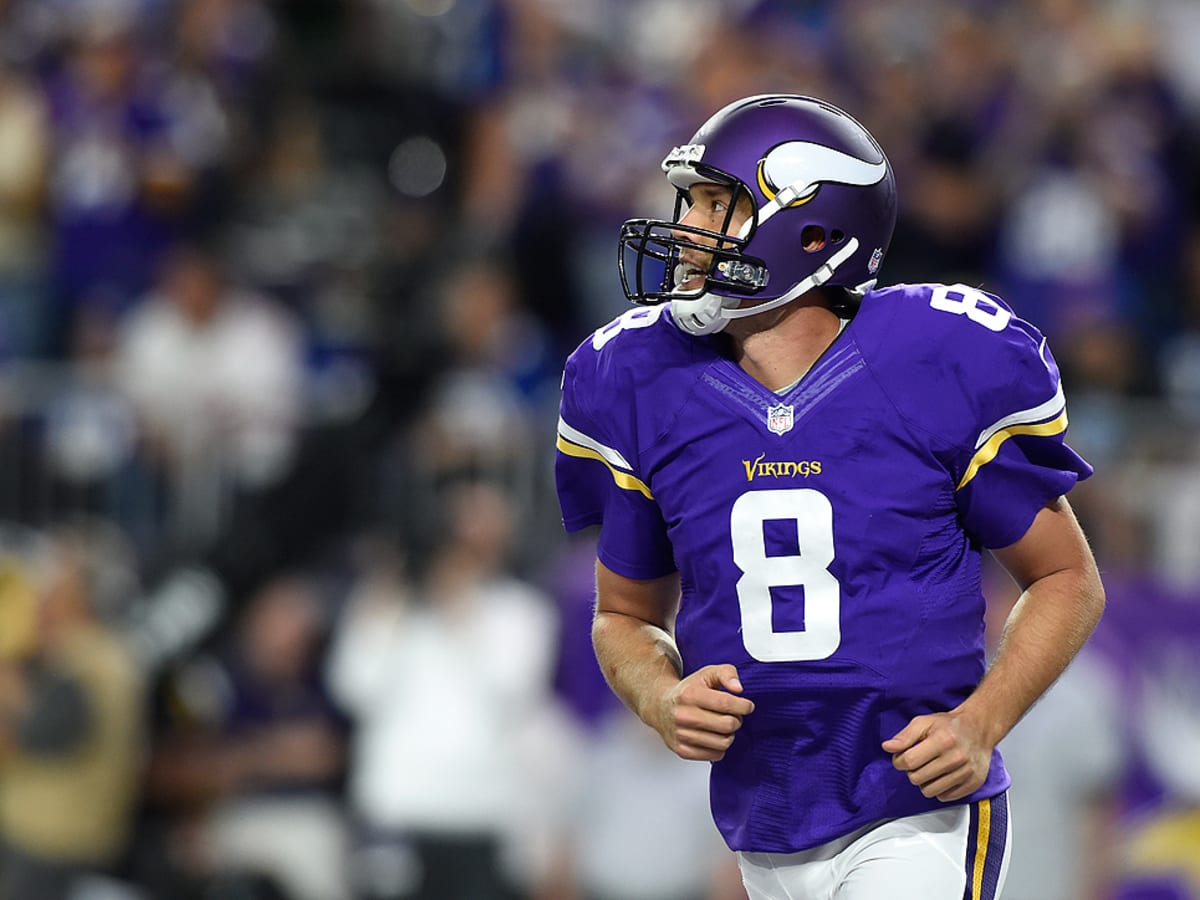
{"type": "Point", "coordinates": [709, 210]}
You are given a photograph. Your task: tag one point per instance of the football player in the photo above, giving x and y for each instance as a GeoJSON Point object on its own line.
{"type": "Point", "coordinates": [795, 475]}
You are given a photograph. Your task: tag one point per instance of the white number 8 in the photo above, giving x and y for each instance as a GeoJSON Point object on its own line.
{"type": "Point", "coordinates": [963, 300]}
{"type": "Point", "coordinates": [638, 317]}
{"type": "Point", "coordinates": [813, 515]}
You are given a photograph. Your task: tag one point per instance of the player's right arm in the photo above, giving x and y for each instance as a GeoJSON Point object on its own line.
{"type": "Point", "coordinates": [600, 481]}
{"type": "Point", "coordinates": [696, 716]}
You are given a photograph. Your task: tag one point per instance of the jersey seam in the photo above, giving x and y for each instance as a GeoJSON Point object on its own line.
{"type": "Point", "coordinates": [688, 398]}
{"type": "Point", "coordinates": [904, 417]}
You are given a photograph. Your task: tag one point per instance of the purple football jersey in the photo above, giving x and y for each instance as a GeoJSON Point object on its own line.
{"type": "Point", "coordinates": [828, 539]}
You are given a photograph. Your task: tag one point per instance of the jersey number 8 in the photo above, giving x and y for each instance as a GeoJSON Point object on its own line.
{"type": "Point", "coordinates": [972, 303]}
{"type": "Point", "coordinates": [809, 568]}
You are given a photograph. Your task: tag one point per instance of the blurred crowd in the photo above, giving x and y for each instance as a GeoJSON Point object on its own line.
{"type": "Point", "coordinates": [285, 291]}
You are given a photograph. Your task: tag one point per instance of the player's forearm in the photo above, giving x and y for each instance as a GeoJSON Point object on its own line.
{"type": "Point", "coordinates": [639, 660]}
{"type": "Point", "coordinates": [1050, 623]}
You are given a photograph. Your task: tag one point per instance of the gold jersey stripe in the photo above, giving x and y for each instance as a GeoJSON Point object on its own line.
{"type": "Point", "coordinates": [989, 450]}
{"type": "Point", "coordinates": [623, 479]}
{"type": "Point", "coordinates": [981, 848]}
{"type": "Point", "coordinates": [576, 436]}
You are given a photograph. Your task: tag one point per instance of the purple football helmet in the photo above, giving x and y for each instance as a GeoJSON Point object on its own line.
{"type": "Point", "coordinates": [824, 201]}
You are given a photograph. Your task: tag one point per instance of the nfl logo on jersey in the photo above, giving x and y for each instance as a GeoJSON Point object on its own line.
{"type": "Point", "coordinates": [779, 419]}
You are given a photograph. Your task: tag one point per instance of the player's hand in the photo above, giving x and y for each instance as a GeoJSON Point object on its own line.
{"type": "Point", "coordinates": [699, 716]}
{"type": "Point", "coordinates": [946, 755]}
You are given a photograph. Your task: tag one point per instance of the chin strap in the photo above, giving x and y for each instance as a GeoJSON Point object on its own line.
{"type": "Point", "coordinates": [708, 314]}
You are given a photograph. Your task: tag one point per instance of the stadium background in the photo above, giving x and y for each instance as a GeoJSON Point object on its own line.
{"type": "Point", "coordinates": [285, 290]}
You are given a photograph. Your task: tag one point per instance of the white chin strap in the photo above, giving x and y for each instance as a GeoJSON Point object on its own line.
{"type": "Point", "coordinates": [708, 313]}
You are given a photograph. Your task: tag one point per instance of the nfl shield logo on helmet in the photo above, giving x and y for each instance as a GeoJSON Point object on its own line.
{"type": "Point", "coordinates": [779, 419]}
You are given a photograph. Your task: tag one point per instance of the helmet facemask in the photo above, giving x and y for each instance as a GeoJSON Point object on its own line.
{"type": "Point", "coordinates": [651, 253]}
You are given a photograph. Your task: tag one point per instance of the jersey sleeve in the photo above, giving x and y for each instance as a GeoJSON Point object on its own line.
{"type": "Point", "coordinates": [597, 473]}
{"type": "Point", "coordinates": [984, 382]}
{"type": "Point", "coordinates": [1019, 460]}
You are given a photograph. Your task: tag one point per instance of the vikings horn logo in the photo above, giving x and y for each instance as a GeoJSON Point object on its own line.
{"type": "Point", "coordinates": [805, 166]}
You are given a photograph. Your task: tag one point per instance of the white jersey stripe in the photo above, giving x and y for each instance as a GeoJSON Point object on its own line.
{"type": "Point", "coordinates": [1050, 409]}
{"type": "Point", "coordinates": [610, 455]}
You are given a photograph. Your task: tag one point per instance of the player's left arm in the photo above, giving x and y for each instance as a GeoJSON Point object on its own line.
{"type": "Point", "coordinates": [947, 755]}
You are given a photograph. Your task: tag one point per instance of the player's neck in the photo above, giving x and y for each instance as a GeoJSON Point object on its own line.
{"type": "Point", "coordinates": [780, 351]}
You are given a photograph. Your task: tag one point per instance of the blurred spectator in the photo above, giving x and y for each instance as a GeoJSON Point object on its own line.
{"type": "Point", "coordinates": [216, 374]}
{"type": "Point", "coordinates": [71, 723]}
{"type": "Point", "coordinates": [1059, 246]}
{"type": "Point", "coordinates": [254, 767]}
{"type": "Point", "coordinates": [443, 678]}
{"type": "Point", "coordinates": [302, 207]}
{"type": "Point", "coordinates": [119, 187]}
{"type": "Point", "coordinates": [488, 330]}
{"type": "Point", "coordinates": [24, 148]}
{"type": "Point", "coordinates": [224, 44]}
{"type": "Point", "coordinates": [91, 435]}
{"type": "Point", "coordinates": [495, 380]}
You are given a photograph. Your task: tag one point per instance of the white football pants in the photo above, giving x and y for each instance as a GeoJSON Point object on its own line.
{"type": "Point", "coordinates": [957, 853]}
